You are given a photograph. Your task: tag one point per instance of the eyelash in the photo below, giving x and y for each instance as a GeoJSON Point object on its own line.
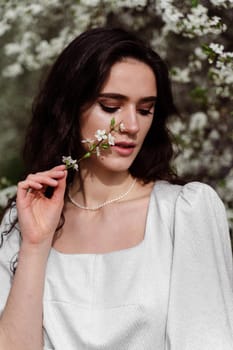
{"type": "Point", "coordinates": [107, 109]}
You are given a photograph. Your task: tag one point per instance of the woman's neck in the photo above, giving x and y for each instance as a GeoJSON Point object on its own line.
{"type": "Point", "coordinates": [91, 190]}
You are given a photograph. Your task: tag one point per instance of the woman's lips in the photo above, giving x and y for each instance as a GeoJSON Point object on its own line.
{"type": "Point", "coordinates": [124, 148]}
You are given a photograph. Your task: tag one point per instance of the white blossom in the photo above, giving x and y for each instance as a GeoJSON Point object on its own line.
{"type": "Point", "coordinates": [101, 135]}
{"type": "Point", "coordinates": [198, 121]}
{"type": "Point", "coordinates": [177, 126]}
{"type": "Point", "coordinates": [223, 3]}
{"type": "Point", "coordinates": [199, 53]}
{"type": "Point", "coordinates": [214, 135]}
{"type": "Point", "coordinates": [12, 70]}
{"type": "Point", "coordinates": [70, 163]}
{"type": "Point", "coordinates": [217, 48]}
{"type": "Point", "coordinates": [4, 27]}
{"type": "Point", "coordinates": [87, 140]}
{"type": "Point", "coordinates": [111, 139]}
{"type": "Point", "coordinates": [12, 49]}
{"type": "Point", "coordinates": [180, 75]}
{"type": "Point", "coordinates": [122, 127]}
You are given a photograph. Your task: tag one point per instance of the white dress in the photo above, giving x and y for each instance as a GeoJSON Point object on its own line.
{"type": "Point", "coordinates": [173, 291]}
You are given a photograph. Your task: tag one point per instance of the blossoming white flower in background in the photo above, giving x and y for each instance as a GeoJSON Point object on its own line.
{"type": "Point", "coordinates": [217, 48]}
{"type": "Point", "coordinates": [12, 70]}
{"type": "Point", "coordinates": [198, 121]}
{"type": "Point", "coordinates": [223, 3]}
{"type": "Point", "coordinates": [181, 75]}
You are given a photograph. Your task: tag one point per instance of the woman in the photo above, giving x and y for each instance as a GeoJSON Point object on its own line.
{"type": "Point", "coordinates": [115, 255]}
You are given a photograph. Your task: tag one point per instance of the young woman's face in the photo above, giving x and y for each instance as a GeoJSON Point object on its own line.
{"type": "Point", "coordinates": [128, 96]}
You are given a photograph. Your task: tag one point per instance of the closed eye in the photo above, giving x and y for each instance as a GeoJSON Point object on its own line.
{"type": "Point", "coordinates": [108, 109]}
{"type": "Point", "coordinates": [145, 111]}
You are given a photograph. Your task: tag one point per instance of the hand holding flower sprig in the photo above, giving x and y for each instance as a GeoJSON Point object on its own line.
{"type": "Point", "coordinates": [103, 141]}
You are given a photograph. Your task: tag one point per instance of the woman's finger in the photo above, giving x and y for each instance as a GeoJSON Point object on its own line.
{"type": "Point", "coordinates": [60, 188]}
{"type": "Point", "coordinates": [40, 176]}
{"type": "Point", "coordinates": [49, 172]}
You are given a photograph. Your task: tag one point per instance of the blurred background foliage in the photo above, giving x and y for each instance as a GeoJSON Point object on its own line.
{"type": "Point", "coordinates": [194, 37]}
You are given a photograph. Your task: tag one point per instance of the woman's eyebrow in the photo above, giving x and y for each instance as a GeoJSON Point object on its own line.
{"type": "Point", "coordinates": [116, 96]}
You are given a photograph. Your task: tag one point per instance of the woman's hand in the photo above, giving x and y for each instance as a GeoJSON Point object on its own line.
{"type": "Point", "coordinates": [38, 215]}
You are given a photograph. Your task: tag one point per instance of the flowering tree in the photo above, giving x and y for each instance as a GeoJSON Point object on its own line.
{"type": "Point", "coordinates": [192, 36]}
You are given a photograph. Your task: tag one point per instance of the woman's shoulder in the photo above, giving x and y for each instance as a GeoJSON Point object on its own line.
{"type": "Point", "coordinates": [200, 212]}
{"type": "Point", "coordinates": [194, 202]}
{"type": "Point", "coordinates": [190, 193]}
{"type": "Point", "coordinates": [198, 197]}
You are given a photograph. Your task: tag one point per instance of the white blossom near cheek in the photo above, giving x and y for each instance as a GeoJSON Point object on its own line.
{"type": "Point", "coordinates": [70, 163]}
{"type": "Point", "coordinates": [122, 127]}
{"type": "Point", "coordinates": [100, 135]}
{"type": "Point", "coordinates": [87, 141]}
{"type": "Point", "coordinates": [111, 139]}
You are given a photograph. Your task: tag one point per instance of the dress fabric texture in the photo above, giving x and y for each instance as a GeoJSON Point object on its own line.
{"type": "Point", "coordinates": [172, 291]}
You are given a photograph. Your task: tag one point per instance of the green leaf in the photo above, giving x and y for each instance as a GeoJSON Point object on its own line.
{"type": "Point", "coordinates": [112, 123]}
{"type": "Point", "coordinates": [104, 145]}
{"type": "Point", "coordinates": [200, 95]}
{"type": "Point", "coordinates": [92, 147]}
{"type": "Point", "coordinates": [195, 3]}
{"type": "Point", "coordinates": [87, 155]}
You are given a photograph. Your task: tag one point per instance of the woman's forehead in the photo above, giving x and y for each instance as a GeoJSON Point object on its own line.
{"type": "Point", "coordinates": [131, 76]}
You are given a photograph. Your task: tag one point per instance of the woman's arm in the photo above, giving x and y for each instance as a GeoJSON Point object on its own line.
{"type": "Point", "coordinates": [21, 321]}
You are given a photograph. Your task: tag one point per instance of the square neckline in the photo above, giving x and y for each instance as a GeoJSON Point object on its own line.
{"type": "Point", "coordinates": [135, 247]}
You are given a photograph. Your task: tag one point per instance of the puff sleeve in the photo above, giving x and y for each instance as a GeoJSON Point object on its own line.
{"type": "Point", "coordinates": [200, 312]}
{"type": "Point", "coordinates": [9, 247]}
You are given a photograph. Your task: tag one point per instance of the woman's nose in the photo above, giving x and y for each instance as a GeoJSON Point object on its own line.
{"type": "Point", "coordinates": [130, 121]}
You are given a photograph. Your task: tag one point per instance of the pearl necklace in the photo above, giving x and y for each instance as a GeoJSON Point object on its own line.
{"type": "Point", "coordinates": [99, 206]}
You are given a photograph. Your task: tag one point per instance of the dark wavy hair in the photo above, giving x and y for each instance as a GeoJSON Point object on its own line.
{"type": "Point", "coordinates": [74, 81]}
